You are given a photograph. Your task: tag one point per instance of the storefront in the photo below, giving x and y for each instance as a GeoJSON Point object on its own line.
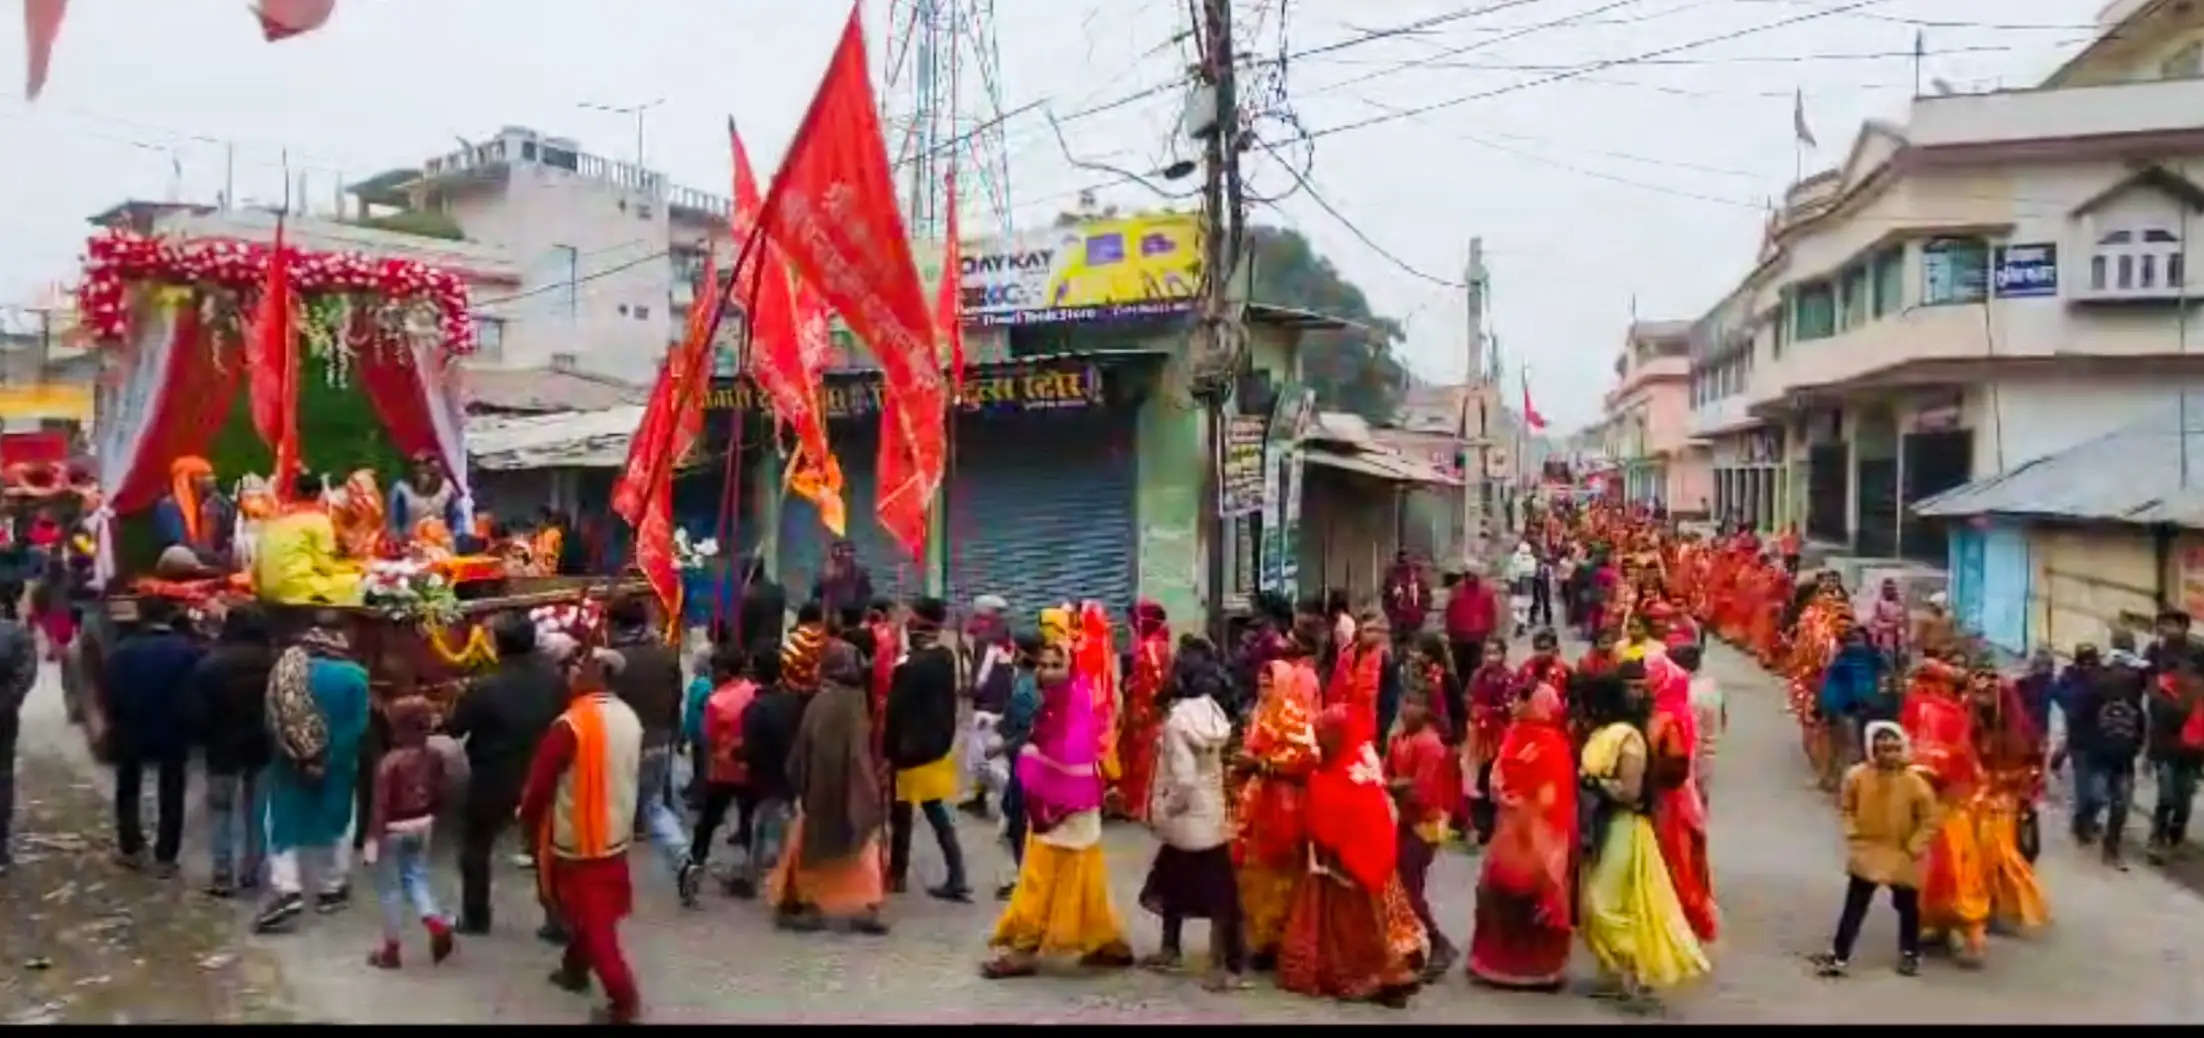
{"type": "Point", "coordinates": [1748, 477]}
{"type": "Point", "coordinates": [1038, 502]}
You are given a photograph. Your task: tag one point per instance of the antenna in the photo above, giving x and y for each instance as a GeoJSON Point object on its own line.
{"type": "Point", "coordinates": [943, 105]}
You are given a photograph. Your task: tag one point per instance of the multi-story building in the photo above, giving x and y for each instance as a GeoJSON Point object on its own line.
{"type": "Point", "coordinates": [608, 253]}
{"type": "Point", "coordinates": [1998, 277]}
{"type": "Point", "coordinates": [1647, 422]}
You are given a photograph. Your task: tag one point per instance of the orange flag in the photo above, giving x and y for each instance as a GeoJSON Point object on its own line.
{"type": "Point", "coordinates": [778, 360]}
{"type": "Point", "coordinates": [832, 211]}
{"type": "Point", "coordinates": [274, 358]}
{"type": "Point", "coordinates": [41, 23]}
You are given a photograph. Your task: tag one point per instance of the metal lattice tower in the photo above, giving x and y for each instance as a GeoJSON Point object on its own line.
{"type": "Point", "coordinates": [942, 106]}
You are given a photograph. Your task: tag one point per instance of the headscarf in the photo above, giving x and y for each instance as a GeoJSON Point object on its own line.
{"type": "Point", "coordinates": [294, 718]}
{"type": "Point", "coordinates": [1056, 626]}
{"type": "Point", "coordinates": [1350, 814]}
{"type": "Point", "coordinates": [183, 474]}
{"type": "Point", "coordinates": [361, 521]}
{"type": "Point", "coordinates": [1059, 769]}
{"type": "Point", "coordinates": [831, 763]}
{"type": "Point", "coordinates": [1149, 620]}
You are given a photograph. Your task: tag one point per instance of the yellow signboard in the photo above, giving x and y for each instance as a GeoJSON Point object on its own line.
{"type": "Point", "coordinates": [1091, 270]}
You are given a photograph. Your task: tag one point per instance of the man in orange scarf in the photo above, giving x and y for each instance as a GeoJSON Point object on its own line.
{"type": "Point", "coordinates": [580, 804]}
{"type": "Point", "coordinates": [195, 514]}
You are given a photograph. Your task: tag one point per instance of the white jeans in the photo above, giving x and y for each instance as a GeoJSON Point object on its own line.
{"type": "Point", "coordinates": [332, 864]}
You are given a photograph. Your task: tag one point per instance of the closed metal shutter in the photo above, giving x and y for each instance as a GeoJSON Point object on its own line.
{"type": "Point", "coordinates": [804, 541]}
{"type": "Point", "coordinates": [1042, 510]}
{"type": "Point", "coordinates": [1826, 487]}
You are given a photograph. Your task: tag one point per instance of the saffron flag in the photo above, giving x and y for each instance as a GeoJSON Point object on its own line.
{"type": "Point", "coordinates": [1531, 417]}
{"type": "Point", "coordinates": [673, 421]}
{"type": "Point", "coordinates": [283, 19]}
{"type": "Point", "coordinates": [1798, 121]}
{"type": "Point", "coordinates": [274, 358]}
{"type": "Point", "coordinates": [779, 363]}
{"type": "Point", "coordinates": [832, 212]}
{"type": "Point", "coordinates": [41, 23]}
{"type": "Point", "coordinates": [948, 310]}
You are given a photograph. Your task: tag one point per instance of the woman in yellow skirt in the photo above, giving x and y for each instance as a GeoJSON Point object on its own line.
{"type": "Point", "coordinates": [1061, 903]}
{"type": "Point", "coordinates": [1631, 918]}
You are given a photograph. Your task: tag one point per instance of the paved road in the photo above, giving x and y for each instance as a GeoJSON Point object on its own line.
{"type": "Point", "coordinates": [2117, 951]}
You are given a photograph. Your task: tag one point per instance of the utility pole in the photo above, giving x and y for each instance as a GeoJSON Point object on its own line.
{"type": "Point", "coordinates": [1475, 488]}
{"type": "Point", "coordinates": [1218, 335]}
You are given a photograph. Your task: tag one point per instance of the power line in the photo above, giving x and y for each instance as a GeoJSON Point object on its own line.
{"type": "Point", "coordinates": [1590, 68]}
{"type": "Point", "coordinates": [1737, 59]}
{"type": "Point", "coordinates": [570, 282]}
{"type": "Point", "coordinates": [1478, 45]}
{"type": "Point", "coordinates": [1326, 205]}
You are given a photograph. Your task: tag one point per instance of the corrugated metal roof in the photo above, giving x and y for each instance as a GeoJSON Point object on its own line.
{"type": "Point", "coordinates": [546, 390]}
{"type": "Point", "coordinates": [565, 439]}
{"type": "Point", "coordinates": [2130, 475]}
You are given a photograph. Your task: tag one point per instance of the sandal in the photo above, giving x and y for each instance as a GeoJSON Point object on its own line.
{"type": "Point", "coordinates": [1005, 967]}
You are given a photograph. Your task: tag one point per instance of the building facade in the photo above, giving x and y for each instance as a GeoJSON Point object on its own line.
{"type": "Point", "coordinates": [1999, 277]}
{"type": "Point", "coordinates": [1646, 425]}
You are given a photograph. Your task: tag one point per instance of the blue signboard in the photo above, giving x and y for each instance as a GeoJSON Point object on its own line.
{"type": "Point", "coordinates": [2028, 270]}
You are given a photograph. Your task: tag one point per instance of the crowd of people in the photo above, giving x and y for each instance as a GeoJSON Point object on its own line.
{"type": "Point", "coordinates": [1300, 782]}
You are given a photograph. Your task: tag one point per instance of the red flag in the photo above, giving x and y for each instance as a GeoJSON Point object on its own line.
{"type": "Point", "coordinates": [948, 298]}
{"type": "Point", "coordinates": [673, 421]}
{"type": "Point", "coordinates": [1531, 417]}
{"type": "Point", "coordinates": [832, 211]}
{"type": "Point", "coordinates": [778, 361]}
{"type": "Point", "coordinates": [283, 19]}
{"type": "Point", "coordinates": [274, 358]}
{"type": "Point", "coordinates": [41, 23]}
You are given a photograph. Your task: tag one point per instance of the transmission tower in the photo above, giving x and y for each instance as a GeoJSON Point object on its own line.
{"type": "Point", "coordinates": [943, 108]}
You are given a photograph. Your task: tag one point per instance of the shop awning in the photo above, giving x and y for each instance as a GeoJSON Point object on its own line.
{"type": "Point", "coordinates": [1393, 468]}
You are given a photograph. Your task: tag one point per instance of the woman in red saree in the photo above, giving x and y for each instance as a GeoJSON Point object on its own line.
{"type": "Point", "coordinates": [1524, 919]}
{"type": "Point", "coordinates": [1144, 707]}
{"type": "Point", "coordinates": [1353, 934]}
{"type": "Point", "coordinates": [1679, 815]}
{"type": "Point", "coordinates": [1955, 896]}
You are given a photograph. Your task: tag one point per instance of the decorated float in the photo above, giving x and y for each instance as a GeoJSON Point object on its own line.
{"type": "Point", "coordinates": [201, 340]}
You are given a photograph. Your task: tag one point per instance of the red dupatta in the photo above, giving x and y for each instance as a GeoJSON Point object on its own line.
{"type": "Point", "coordinates": [1351, 816]}
{"type": "Point", "coordinates": [1534, 786]}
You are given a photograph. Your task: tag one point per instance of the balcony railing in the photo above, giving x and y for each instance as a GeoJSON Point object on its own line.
{"type": "Point", "coordinates": [689, 198]}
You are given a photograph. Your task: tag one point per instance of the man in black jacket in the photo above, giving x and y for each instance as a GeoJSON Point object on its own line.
{"type": "Point", "coordinates": [649, 682]}
{"type": "Point", "coordinates": [769, 729]}
{"type": "Point", "coordinates": [921, 729]}
{"type": "Point", "coordinates": [151, 706]}
{"type": "Point", "coordinates": [501, 717]}
{"type": "Point", "coordinates": [230, 695]}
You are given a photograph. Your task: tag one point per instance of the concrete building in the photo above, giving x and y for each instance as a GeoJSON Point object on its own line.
{"type": "Point", "coordinates": [1647, 420]}
{"type": "Point", "coordinates": [1997, 278]}
{"type": "Point", "coordinates": [607, 253]}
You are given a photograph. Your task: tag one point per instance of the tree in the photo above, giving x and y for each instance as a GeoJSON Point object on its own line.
{"type": "Point", "coordinates": [1351, 369]}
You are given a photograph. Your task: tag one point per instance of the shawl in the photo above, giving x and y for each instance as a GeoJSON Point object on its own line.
{"type": "Point", "coordinates": [1354, 685]}
{"type": "Point", "coordinates": [1059, 768]}
{"type": "Point", "coordinates": [300, 733]}
{"type": "Point", "coordinates": [1534, 783]}
{"type": "Point", "coordinates": [1941, 728]}
{"type": "Point", "coordinates": [1094, 658]}
{"type": "Point", "coordinates": [1351, 817]}
{"type": "Point", "coordinates": [359, 518]}
{"type": "Point", "coordinates": [831, 766]}
{"type": "Point", "coordinates": [1281, 736]}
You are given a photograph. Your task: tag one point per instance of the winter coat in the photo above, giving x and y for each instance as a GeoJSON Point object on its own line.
{"type": "Point", "coordinates": [1187, 805]}
{"type": "Point", "coordinates": [1889, 819]}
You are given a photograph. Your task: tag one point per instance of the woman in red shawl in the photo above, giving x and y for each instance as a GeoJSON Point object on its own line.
{"type": "Point", "coordinates": [1143, 707]}
{"type": "Point", "coordinates": [1277, 752]}
{"type": "Point", "coordinates": [1679, 815]}
{"type": "Point", "coordinates": [1353, 934]}
{"type": "Point", "coordinates": [1955, 896]}
{"type": "Point", "coordinates": [1524, 916]}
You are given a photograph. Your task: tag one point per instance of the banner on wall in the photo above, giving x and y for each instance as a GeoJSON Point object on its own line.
{"type": "Point", "coordinates": [1092, 270]}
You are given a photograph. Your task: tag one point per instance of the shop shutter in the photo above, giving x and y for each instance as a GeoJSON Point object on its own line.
{"type": "Point", "coordinates": [804, 541]}
{"type": "Point", "coordinates": [1042, 511]}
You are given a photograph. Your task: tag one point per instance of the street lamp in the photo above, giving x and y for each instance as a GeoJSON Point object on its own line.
{"type": "Point", "coordinates": [634, 110]}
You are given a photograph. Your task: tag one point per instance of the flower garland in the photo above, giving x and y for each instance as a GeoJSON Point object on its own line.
{"type": "Point", "coordinates": [412, 298]}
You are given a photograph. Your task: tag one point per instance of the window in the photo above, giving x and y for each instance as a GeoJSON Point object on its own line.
{"type": "Point", "coordinates": [621, 204]}
{"type": "Point", "coordinates": [1814, 311]}
{"type": "Point", "coordinates": [642, 210]}
{"type": "Point", "coordinates": [1855, 297]}
{"type": "Point", "coordinates": [2131, 259]}
{"type": "Point", "coordinates": [489, 337]}
{"type": "Point", "coordinates": [623, 309]}
{"type": "Point", "coordinates": [1890, 280]}
{"type": "Point", "coordinates": [528, 150]}
{"type": "Point", "coordinates": [642, 313]}
{"type": "Point", "coordinates": [1954, 270]}
{"type": "Point", "coordinates": [2186, 63]}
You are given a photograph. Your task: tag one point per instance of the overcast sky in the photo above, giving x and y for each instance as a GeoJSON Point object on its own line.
{"type": "Point", "coordinates": [1641, 181]}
